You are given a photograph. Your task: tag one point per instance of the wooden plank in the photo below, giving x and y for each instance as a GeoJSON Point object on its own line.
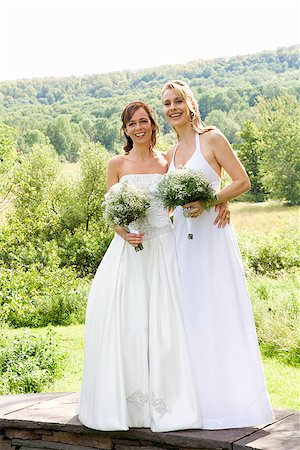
{"type": "Point", "coordinates": [282, 435]}
{"type": "Point", "coordinates": [16, 402]}
{"type": "Point", "coordinates": [55, 409]}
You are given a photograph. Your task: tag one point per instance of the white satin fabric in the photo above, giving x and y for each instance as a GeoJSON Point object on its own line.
{"type": "Point", "coordinates": [218, 318]}
{"type": "Point", "coordinates": [137, 372]}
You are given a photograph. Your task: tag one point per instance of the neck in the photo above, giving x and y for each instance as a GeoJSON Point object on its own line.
{"type": "Point", "coordinates": [185, 133]}
{"type": "Point", "coordinates": [141, 152]}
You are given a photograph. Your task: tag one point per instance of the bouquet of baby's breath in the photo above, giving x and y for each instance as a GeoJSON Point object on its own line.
{"type": "Point", "coordinates": [184, 186]}
{"type": "Point", "coordinates": [124, 204]}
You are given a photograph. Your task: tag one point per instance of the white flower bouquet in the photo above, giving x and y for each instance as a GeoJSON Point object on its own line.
{"type": "Point", "coordinates": [124, 204]}
{"type": "Point", "coordinates": [184, 186]}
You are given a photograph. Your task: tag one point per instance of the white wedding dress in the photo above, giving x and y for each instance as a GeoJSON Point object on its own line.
{"type": "Point", "coordinates": [137, 372]}
{"type": "Point", "coordinates": [218, 318]}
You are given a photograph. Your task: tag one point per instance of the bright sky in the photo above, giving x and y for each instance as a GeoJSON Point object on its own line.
{"type": "Point", "coordinates": [41, 38]}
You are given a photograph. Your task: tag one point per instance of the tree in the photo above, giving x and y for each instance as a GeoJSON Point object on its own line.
{"type": "Point", "coordinates": [77, 203]}
{"type": "Point", "coordinates": [34, 180]}
{"type": "Point", "coordinates": [105, 132]}
{"type": "Point", "coordinates": [33, 137]}
{"type": "Point", "coordinates": [8, 158]}
{"type": "Point", "coordinates": [249, 154]}
{"type": "Point", "coordinates": [66, 137]}
{"type": "Point", "coordinates": [224, 122]}
{"type": "Point", "coordinates": [279, 136]}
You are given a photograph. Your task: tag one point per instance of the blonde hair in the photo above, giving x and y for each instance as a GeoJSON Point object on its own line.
{"type": "Point", "coordinates": [184, 93]}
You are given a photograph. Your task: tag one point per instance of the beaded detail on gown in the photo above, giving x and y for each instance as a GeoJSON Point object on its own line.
{"type": "Point", "coordinates": [137, 372]}
{"type": "Point", "coordinates": [218, 317]}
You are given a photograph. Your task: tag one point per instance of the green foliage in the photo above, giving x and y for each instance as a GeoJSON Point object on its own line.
{"type": "Point", "coordinates": [79, 202]}
{"type": "Point", "coordinates": [35, 137]}
{"type": "Point", "coordinates": [34, 180]}
{"type": "Point", "coordinates": [249, 153]}
{"type": "Point", "coordinates": [271, 254]}
{"type": "Point", "coordinates": [8, 158]}
{"type": "Point", "coordinates": [106, 132]}
{"type": "Point", "coordinates": [279, 135]}
{"type": "Point", "coordinates": [55, 236]}
{"type": "Point", "coordinates": [83, 251]}
{"type": "Point", "coordinates": [35, 296]}
{"type": "Point", "coordinates": [225, 122]}
{"type": "Point", "coordinates": [28, 364]}
{"type": "Point", "coordinates": [276, 310]}
{"type": "Point", "coordinates": [66, 137]}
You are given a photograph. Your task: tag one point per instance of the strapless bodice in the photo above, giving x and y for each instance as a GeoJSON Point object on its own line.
{"type": "Point", "coordinates": [157, 219]}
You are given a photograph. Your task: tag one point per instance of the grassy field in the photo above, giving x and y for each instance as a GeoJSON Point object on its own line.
{"type": "Point", "coordinates": [282, 380]}
{"type": "Point", "coordinates": [264, 218]}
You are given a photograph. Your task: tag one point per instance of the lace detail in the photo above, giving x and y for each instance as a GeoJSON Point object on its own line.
{"type": "Point", "coordinates": [157, 220]}
{"type": "Point", "coordinates": [159, 405]}
{"type": "Point", "coordinates": [139, 400]}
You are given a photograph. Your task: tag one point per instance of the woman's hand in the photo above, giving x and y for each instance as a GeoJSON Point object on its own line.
{"type": "Point", "coordinates": [223, 217]}
{"type": "Point", "coordinates": [193, 209]}
{"type": "Point", "coordinates": [134, 239]}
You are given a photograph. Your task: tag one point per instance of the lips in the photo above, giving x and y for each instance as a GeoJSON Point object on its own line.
{"type": "Point", "coordinates": [175, 115]}
{"type": "Point", "coordinates": [140, 134]}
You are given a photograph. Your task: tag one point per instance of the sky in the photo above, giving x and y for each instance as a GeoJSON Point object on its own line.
{"type": "Point", "coordinates": [42, 38]}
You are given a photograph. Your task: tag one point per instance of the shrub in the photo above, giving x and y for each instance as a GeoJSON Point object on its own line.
{"type": "Point", "coordinates": [36, 297]}
{"type": "Point", "coordinates": [84, 250]}
{"type": "Point", "coordinates": [27, 363]}
{"type": "Point", "coordinates": [270, 254]}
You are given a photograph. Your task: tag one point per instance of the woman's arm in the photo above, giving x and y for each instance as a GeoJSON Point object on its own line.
{"type": "Point", "coordinates": [113, 172]}
{"type": "Point", "coordinates": [228, 160]}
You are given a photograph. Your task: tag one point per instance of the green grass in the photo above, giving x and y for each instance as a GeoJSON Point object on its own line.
{"type": "Point", "coordinates": [264, 218]}
{"type": "Point", "coordinates": [283, 384]}
{"type": "Point", "coordinates": [282, 380]}
{"type": "Point", "coordinates": [71, 170]}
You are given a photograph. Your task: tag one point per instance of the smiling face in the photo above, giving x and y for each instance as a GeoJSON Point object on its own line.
{"type": "Point", "coordinates": [175, 109]}
{"type": "Point", "coordinates": [139, 127]}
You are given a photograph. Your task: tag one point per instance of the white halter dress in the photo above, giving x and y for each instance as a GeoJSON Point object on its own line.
{"type": "Point", "coordinates": [218, 318]}
{"type": "Point", "coordinates": [137, 372]}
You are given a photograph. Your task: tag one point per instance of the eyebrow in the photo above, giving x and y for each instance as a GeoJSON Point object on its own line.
{"type": "Point", "coordinates": [141, 118]}
{"type": "Point", "coordinates": [176, 98]}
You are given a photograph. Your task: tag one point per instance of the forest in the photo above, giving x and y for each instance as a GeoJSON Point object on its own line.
{"type": "Point", "coordinates": [52, 231]}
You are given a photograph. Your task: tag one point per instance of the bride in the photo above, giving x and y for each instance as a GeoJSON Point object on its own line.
{"type": "Point", "coordinates": [136, 369]}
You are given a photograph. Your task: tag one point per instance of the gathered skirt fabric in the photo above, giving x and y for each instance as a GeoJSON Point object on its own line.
{"type": "Point", "coordinates": [137, 371]}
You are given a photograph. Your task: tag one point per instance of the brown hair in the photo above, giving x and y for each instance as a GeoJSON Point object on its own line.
{"type": "Point", "coordinates": [185, 93]}
{"type": "Point", "coordinates": [127, 114]}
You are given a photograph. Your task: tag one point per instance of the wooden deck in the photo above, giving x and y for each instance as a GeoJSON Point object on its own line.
{"type": "Point", "coordinates": [49, 421]}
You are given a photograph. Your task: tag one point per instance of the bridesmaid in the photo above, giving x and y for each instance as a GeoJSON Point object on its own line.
{"type": "Point", "coordinates": [215, 302]}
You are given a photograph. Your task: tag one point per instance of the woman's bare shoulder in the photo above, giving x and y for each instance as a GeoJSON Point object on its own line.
{"type": "Point", "coordinates": [214, 136]}
{"type": "Point", "coordinates": [116, 161]}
